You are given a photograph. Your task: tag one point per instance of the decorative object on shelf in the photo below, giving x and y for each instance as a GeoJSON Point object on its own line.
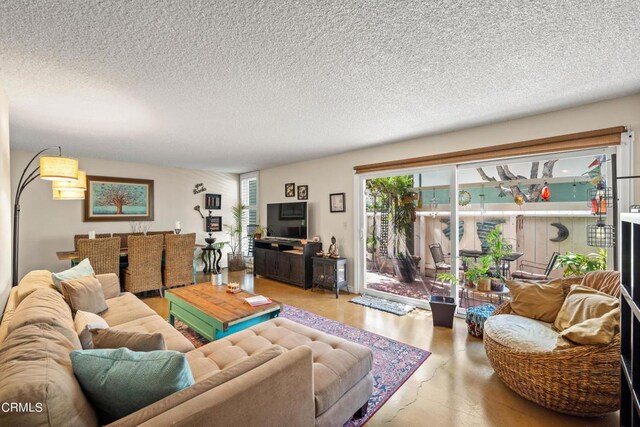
{"type": "Point", "coordinates": [545, 194]}
{"type": "Point", "coordinates": [199, 188]}
{"type": "Point", "coordinates": [336, 202]}
{"type": "Point", "coordinates": [259, 231]}
{"type": "Point", "coordinates": [333, 248]}
{"type": "Point", "coordinates": [464, 198]}
{"type": "Point", "coordinates": [303, 192]}
{"type": "Point", "coordinates": [212, 202]}
{"type": "Point", "coordinates": [634, 209]}
{"type": "Point", "coordinates": [197, 209]}
{"type": "Point", "coordinates": [177, 227]}
{"type": "Point", "coordinates": [233, 288]}
{"type": "Point", "coordinates": [214, 224]}
{"type": "Point", "coordinates": [290, 189]}
{"type": "Point", "coordinates": [563, 232]}
{"type": "Point", "coordinates": [118, 199]}
{"type": "Point", "coordinates": [52, 168]}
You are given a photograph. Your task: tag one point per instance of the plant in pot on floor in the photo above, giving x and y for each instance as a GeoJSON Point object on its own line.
{"type": "Point", "coordinates": [477, 273]}
{"type": "Point", "coordinates": [499, 248]}
{"type": "Point", "coordinates": [443, 308]}
{"type": "Point", "coordinates": [235, 259]}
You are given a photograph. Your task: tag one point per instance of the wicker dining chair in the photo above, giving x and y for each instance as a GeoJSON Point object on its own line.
{"type": "Point", "coordinates": [144, 272]}
{"type": "Point", "coordinates": [124, 238]}
{"type": "Point", "coordinates": [86, 236]}
{"type": "Point", "coordinates": [103, 254]}
{"type": "Point", "coordinates": [178, 259]}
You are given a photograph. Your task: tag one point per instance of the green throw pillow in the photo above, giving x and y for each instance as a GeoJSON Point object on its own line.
{"type": "Point", "coordinates": [81, 270]}
{"type": "Point", "coordinates": [119, 382]}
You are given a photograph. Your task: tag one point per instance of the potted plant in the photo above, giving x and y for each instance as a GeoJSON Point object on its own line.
{"type": "Point", "coordinates": [577, 265]}
{"type": "Point", "coordinates": [235, 259]}
{"type": "Point", "coordinates": [443, 308]}
{"type": "Point", "coordinates": [259, 232]}
{"type": "Point", "coordinates": [499, 248]}
{"type": "Point", "coordinates": [478, 272]}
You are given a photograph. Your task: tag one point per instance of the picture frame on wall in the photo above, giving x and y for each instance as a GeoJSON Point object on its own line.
{"type": "Point", "coordinates": [290, 189]}
{"type": "Point", "coordinates": [303, 192]}
{"type": "Point", "coordinates": [118, 199]}
{"type": "Point", "coordinates": [337, 202]}
{"type": "Point", "coordinates": [212, 201]}
{"type": "Point", "coordinates": [214, 224]}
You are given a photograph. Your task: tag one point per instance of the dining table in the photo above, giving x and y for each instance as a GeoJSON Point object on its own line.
{"type": "Point", "coordinates": [73, 256]}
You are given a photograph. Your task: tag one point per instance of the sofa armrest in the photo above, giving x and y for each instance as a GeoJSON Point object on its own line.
{"type": "Point", "coordinates": [110, 285]}
{"type": "Point", "coordinates": [279, 392]}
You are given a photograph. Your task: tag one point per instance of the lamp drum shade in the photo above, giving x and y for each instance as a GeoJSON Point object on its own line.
{"type": "Point", "coordinates": [74, 184]}
{"type": "Point", "coordinates": [68, 194]}
{"type": "Point", "coordinates": [54, 168]}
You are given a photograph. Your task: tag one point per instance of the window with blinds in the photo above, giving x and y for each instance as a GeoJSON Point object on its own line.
{"type": "Point", "coordinates": [249, 195]}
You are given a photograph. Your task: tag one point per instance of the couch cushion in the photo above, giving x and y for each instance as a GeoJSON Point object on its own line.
{"type": "Point", "coordinates": [583, 303]}
{"type": "Point", "coordinates": [599, 330]}
{"type": "Point", "coordinates": [84, 294]}
{"type": "Point", "coordinates": [134, 341]}
{"type": "Point", "coordinates": [125, 308]}
{"type": "Point", "coordinates": [83, 268]}
{"type": "Point", "coordinates": [603, 281]}
{"type": "Point", "coordinates": [337, 364]}
{"type": "Point", "coordinates": [36, 279]}
{"type": "Point", "coordinates": [84, 323]}
{"type": "Point", "coordinates": [120, 382]}
{"type": "Point", "coordinates": [9, 309]}
{"type": "Point", "coordinates": [43, 305]}
{"type": "Point", "coordinates": [521, 333]}
{"type": "Point", "coordinates": [36, 369]}
{"type": "Point", "coordinates": [202, 385]}
{"type": "Point", "coordinates": [173, 339]}
{"type": "Point", "coordinates": [536, 300]}
{"type": "Point", "coordinates": [110, 285]}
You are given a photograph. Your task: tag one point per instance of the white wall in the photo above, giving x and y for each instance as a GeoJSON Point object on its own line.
{"type": "Point", "coordinates": [335, 174]}
{"type": "Point", "coordinates": [5, 203]}
{"type": "Point", "coordinates": [47, 226]}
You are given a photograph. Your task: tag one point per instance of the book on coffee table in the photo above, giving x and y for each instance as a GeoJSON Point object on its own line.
{"type": "Point", "coordinates": [257, 300]}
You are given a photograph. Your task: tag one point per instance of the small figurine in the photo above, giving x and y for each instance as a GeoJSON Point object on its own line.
{"type": "Point", "coordinates": [233, 288]}
{"type": "Point", "coordinates": [333, 248]}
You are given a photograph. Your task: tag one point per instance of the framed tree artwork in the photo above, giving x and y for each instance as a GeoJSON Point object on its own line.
{"type": "Point", "coordinates": [303, 192]}
{"type": "Point", "coordinates": [290, 189]}
{"type": "Point", "coordinates": [336, 202]}
{"type": "Point", "coordinates": [118, 199]}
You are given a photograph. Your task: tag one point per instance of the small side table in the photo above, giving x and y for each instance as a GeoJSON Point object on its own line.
{"type": "Point", "coordinates": [212, 251]}
{"type": "Point", "coordinates": [329, 272]}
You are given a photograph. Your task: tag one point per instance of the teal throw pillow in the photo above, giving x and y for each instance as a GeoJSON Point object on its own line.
{"type": "Point", "coordinates": [119, 381]}
{"type": "Point", "coordinates": [81, 270]}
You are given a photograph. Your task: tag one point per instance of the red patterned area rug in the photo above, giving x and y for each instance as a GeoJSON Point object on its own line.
{"type": "Point", "coordinates": [393, 362]}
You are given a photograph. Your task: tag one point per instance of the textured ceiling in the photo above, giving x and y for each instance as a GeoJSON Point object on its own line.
{"type": "Point", "coordinates": [238, 86]}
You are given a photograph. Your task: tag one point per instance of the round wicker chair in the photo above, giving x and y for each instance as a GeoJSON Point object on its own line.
{"type": "Point", "coordinates": [581, 380]}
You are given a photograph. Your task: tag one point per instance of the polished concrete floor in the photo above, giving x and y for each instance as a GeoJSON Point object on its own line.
{"type": "Point", "coordinates": [454, 387]}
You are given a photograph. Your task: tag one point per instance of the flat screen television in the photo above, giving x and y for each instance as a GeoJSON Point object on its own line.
{"type": "Point", "coordinates": [287, 220]}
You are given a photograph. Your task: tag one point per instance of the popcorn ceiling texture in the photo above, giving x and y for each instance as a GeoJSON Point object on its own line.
{"type": "Point", "coordinates": [243, 85]}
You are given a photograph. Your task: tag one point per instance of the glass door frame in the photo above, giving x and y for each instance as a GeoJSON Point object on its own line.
{"type": "Point", "coordinates": [624, 153]}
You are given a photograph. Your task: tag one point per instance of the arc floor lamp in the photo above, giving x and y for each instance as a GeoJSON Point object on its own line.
{"type": "Point", "coordinates": [69, 183]}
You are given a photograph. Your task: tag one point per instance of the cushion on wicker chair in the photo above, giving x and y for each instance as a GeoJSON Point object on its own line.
{"type": "Point", "coordinates": [538, 301]}
{"type": "Point", "coordinates": [584, 303]}
{"type": "Point", "coordinates": [521, 333]}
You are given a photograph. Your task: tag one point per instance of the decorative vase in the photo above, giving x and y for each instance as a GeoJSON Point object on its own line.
{"type": "Point", "coordinates": [235, 262]}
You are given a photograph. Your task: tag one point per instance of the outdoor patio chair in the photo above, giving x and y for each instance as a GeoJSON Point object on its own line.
{"type": "Point", "coordinates": [525, 267]}
{"type": "Point", "coordinates": [439, 258]}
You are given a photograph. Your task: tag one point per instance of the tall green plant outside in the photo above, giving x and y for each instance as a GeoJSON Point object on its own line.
{"type": "Point", "coordinates": [576, 265]}
{"type": "Point", "coordinates": [498, 249]}
{"type": "Point", "coordinates": [235, 230]}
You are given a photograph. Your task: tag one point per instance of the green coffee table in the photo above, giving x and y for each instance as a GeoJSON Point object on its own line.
{"type": "Point", "coordinates": [213, 312]}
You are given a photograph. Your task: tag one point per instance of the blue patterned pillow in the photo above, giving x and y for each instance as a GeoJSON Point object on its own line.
{"type": "Point", "coordinates": [119, 382]}
{"type": "Point", "coordinates": [83, 269]}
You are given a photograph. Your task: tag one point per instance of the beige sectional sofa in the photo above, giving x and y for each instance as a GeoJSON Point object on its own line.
{"type": "Point", "coordinates": [275, 373]}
